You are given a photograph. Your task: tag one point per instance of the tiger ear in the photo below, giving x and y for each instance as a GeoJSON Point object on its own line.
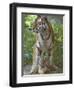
{"type": "Point", "coordinates": [45, 17]}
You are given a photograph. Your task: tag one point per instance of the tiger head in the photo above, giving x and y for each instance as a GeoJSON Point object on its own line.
{"type": "Point", "coordinates": [41, 25]}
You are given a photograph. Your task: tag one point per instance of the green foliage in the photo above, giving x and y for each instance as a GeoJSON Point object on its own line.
{"type": "Point", "coordinates": [28, 21]}
{"type": "Point", "coordinates": [30, 39]}
{"type": "Point", "coordinates": [58, 45]}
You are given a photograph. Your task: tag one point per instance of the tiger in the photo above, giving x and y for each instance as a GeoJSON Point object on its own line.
{"type": "Point", "coordinates": [43, 48]}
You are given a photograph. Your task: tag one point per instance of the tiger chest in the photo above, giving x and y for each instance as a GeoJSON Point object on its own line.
{"type": "Point", "coordinates": [45, 43]}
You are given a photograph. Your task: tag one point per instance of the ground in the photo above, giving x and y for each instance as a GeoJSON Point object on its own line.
{"type": "Point", "coordinates": [27, 68]}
